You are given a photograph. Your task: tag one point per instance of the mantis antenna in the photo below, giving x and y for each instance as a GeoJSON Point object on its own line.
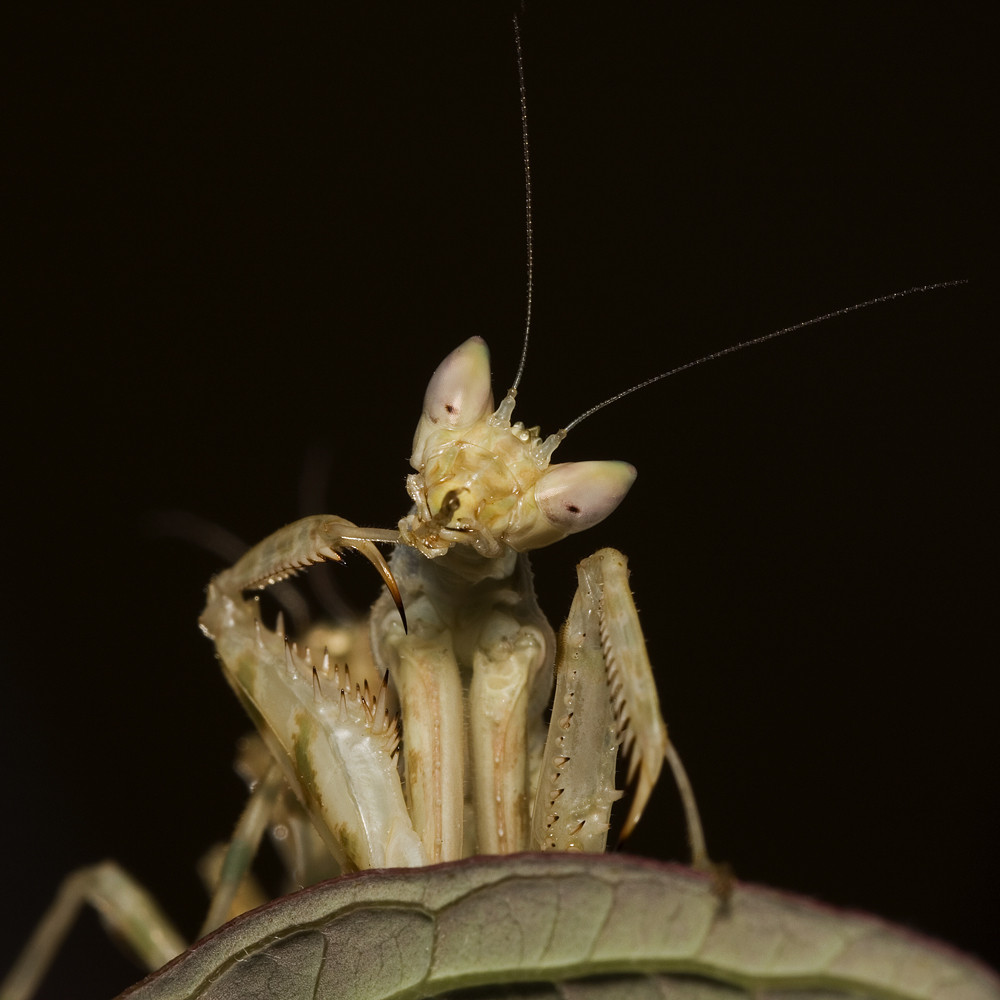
{"type": "Point", "coordinates": [528, 231]}
{"type": "Point", "coordinates": [733, 348]}
{"type": "Point", "coordinates": [712, 356]}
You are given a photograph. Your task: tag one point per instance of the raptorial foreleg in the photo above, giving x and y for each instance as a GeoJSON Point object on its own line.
{"type": "Point", "coordinates": [605, 695]}
{"type": "Point", "coordinates": [332, 734]}
{"type": "Point", "coordinates": [310, 540]}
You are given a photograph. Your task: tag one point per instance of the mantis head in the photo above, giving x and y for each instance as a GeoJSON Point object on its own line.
{"type": "Point", "coordinates": [485, 482]}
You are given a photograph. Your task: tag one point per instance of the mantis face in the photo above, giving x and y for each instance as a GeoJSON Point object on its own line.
{"type": "Point", "coordinates": [482, 481]}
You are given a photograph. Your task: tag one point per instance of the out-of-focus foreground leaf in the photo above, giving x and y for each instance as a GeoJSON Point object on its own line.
{"type": "Point", "coordinates": [566, 926]}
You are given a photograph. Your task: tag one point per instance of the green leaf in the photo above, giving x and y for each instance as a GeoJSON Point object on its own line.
{"type": "Point", "coordinates": [561, 926]}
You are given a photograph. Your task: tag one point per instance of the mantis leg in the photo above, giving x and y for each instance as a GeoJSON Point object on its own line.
{"type": "Point", "coordinates": [605, 696]}
{"type": "Point", "coordinates": [300, 848]}
{"type": "Point", "coordinates": [428, 682]}
{"type": "Point", "coordinates": [125, 907]}
{"type": "Point", "coordinates": [332, 735]}
{"type": "Point", "coordinates": [242, 849]}
{"type": "Point", "coordinates": [131, 913]}
{"type": "Point", "coordinates": [305, 542]}
{"type": "Point", "coordinates": [506, 662]}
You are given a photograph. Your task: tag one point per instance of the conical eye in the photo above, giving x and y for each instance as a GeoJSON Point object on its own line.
{"type": "Point", "coordinates": [458, 394]}
{"type": "Point", "coordinates": [578, 495]}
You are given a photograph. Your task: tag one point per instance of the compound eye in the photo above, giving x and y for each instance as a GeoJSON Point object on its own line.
{"type": "Point", "coordinates": [459, 392]}
{"type": "Point", "coordinates": [578, 495]}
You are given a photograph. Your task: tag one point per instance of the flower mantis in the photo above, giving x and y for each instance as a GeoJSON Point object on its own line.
{"type": "Point", "coordinates": [726, 501]}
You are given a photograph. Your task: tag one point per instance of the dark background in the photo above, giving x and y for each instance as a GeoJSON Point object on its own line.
{"type": "Point", "coordinates": [241, 236]}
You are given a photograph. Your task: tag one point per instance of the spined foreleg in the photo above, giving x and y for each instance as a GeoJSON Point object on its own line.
{"type": "Point", "coordinates": [605, 696]}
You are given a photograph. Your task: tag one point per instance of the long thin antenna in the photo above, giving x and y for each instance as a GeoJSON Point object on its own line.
{"type": "Point", "coordinates": [529, 234]}
{"type": "Point", "coordinates": [733, 348]}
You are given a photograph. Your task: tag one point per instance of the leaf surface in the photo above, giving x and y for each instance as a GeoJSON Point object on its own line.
{"type": "Point", "coordinates": [559, 926]}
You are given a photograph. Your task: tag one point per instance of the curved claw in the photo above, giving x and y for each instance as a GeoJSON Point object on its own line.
{"type": "Point", "coordinates": [368, 549]}
{"type": "Point", "coordinates": [310, 540]}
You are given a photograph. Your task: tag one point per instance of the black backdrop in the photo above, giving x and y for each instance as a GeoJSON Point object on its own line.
{"type": "Point", "coordinates": [241, 236]}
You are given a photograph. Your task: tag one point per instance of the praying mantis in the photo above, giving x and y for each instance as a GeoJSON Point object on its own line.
{"type": "Point", "coordinates": [712, 485]}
